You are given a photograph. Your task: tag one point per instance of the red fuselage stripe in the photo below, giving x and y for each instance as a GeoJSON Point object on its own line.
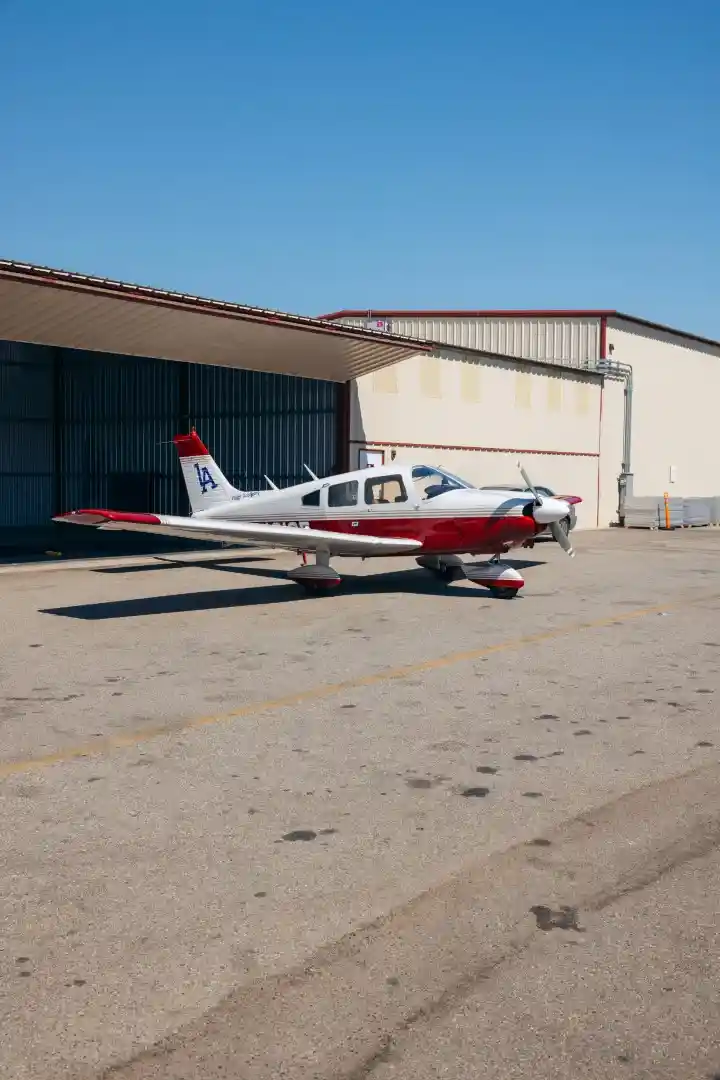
{"type": "Point", "coordinates": [440, 534]}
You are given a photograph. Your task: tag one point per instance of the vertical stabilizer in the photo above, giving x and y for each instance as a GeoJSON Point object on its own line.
{"type": "Point", "coordinates": [206, 485]}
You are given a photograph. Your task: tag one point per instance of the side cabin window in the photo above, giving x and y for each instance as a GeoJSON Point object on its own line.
{"type": "Point", "coordinates": [385, 489]}
{"type": "Point", "coordinates": [343, 494]}
{"type": "Point", "coordinates": [312, 498]}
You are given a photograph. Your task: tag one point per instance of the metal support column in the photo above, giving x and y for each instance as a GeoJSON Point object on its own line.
{"type": "Point", "coordinates": [58, 419]}
{"type": "Point", "coordinates": [342, 428]}
{"type": "Point", "coordinates": [611, 369]}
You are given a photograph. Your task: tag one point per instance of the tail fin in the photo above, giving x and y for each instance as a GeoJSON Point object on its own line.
{"type": "Point", "coordinates": [205, 483]}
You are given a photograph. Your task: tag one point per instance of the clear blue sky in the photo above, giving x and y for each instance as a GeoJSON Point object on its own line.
{"type": "Point", "coordinates": [326, 154]}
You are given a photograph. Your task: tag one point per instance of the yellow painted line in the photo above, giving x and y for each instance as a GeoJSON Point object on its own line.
{"type": "Point", "coordinates": [318, 693]}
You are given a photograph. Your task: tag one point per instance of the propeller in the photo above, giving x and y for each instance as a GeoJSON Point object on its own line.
{"type": "Point", "coordinates": [558, 533]}
{"type": "Point", "coordinates": [529, 484]}
{"type": "Point", "coordinates": [562, 538]}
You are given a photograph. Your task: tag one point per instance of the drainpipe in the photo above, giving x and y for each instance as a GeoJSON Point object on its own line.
{"type": "Point", "coordinates": [611, 369]}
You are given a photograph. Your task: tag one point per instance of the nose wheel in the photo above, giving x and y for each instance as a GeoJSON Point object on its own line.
{"type": "Point", "coordinates": [503, 592]}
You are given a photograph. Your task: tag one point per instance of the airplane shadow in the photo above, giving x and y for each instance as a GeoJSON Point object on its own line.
{"type": "Point", "coordinates": [418, 582]}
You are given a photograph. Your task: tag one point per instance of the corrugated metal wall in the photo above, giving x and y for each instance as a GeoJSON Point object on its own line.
{"type": "Point", "coordinates": [255, 423]}
{"type": "Point", "coordinates": [26, 434]}
{"type": "Point", "coordinates": [116, 417]}
{"type": "Point", "coordinates": [572, 341]}
{"type": "Point", "coordinates": [90, 429]}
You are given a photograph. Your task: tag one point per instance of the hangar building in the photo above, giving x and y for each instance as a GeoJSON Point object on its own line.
{"type": "Point", "coordinates": [585, 398]}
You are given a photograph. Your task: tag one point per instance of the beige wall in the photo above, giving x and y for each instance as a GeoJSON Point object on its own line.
{"type": "Point", "coordinates": [675, 410]}
{"type": "Point", "coordinates": [478, 416]}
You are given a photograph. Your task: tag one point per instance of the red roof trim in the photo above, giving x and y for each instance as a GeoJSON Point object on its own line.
{"type": "Point", "coordinates": [85, 283]}
{"type": "Point", "coordinates": [439, 313]}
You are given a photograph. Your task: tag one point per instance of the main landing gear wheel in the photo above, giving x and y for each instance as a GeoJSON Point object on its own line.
{"type": "Point", "coordinates": [316, 577]}
{"type": "Point", "coordinates": [313, 588]}
{"type": "Point", "coordinates": [502, 592]}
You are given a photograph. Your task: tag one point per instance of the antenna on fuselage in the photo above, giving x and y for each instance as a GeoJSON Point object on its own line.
{"type": "Point", "coordinates": [309, 470]}
{"type": "Point", "coordinates": [273, 486]}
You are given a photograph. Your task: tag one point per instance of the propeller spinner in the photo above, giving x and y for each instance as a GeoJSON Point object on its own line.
{"type": "Point", "coordinates": [549, 505]}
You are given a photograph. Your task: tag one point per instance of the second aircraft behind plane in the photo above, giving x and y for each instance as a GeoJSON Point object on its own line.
{"type": "Point", "coordinates": [416, 510]}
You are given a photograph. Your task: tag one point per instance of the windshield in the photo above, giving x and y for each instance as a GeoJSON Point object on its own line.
{"type": "Point", "coordinates": [429, 481]}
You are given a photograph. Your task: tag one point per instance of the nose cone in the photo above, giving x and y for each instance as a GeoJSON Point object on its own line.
{"type": "Point", "coordinates": [551, 510]}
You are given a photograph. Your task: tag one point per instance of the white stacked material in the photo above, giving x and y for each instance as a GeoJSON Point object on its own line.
{"type": "Point", "coordinates": [648, 512]}
{"type": "Point", "coordinates": [696, 512]}
{"type": "Point", "coordinates": [642, 514]}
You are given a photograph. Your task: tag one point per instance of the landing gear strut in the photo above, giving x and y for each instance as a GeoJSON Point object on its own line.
{"type": "Point", "coordinates": [445, 567]}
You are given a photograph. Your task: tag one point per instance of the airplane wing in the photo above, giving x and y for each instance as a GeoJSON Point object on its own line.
{"type": "Point", "coordinates": [292, 537]}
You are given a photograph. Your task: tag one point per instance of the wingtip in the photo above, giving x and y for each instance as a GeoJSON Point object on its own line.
{"type": "Point", "coordinates": [106, 517]}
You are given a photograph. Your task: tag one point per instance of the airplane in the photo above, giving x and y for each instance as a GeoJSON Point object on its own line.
{"type": "Point", "coordinates": [400, 510]}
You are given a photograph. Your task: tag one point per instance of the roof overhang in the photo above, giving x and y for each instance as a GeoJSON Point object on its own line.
{"type": "Point", "coordinates": [74, 311]}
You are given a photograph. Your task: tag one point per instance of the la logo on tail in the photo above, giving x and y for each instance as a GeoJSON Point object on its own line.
{"type": "Point", "coordinates": [204, 478]}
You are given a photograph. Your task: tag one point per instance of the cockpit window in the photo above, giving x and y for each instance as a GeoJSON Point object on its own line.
{"type": "Point", "coordinates": [430, 481]}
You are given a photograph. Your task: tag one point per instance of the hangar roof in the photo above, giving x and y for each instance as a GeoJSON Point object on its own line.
{"type": "Point", "coordinates": [74, 311]}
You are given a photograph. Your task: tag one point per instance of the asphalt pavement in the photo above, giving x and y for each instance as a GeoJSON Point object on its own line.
{"type": "Point", "coordinates": [385, 831]}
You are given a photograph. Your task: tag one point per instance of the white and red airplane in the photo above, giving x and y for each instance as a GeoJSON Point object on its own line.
{"type": "Point", "coordinates": [416, 510]}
